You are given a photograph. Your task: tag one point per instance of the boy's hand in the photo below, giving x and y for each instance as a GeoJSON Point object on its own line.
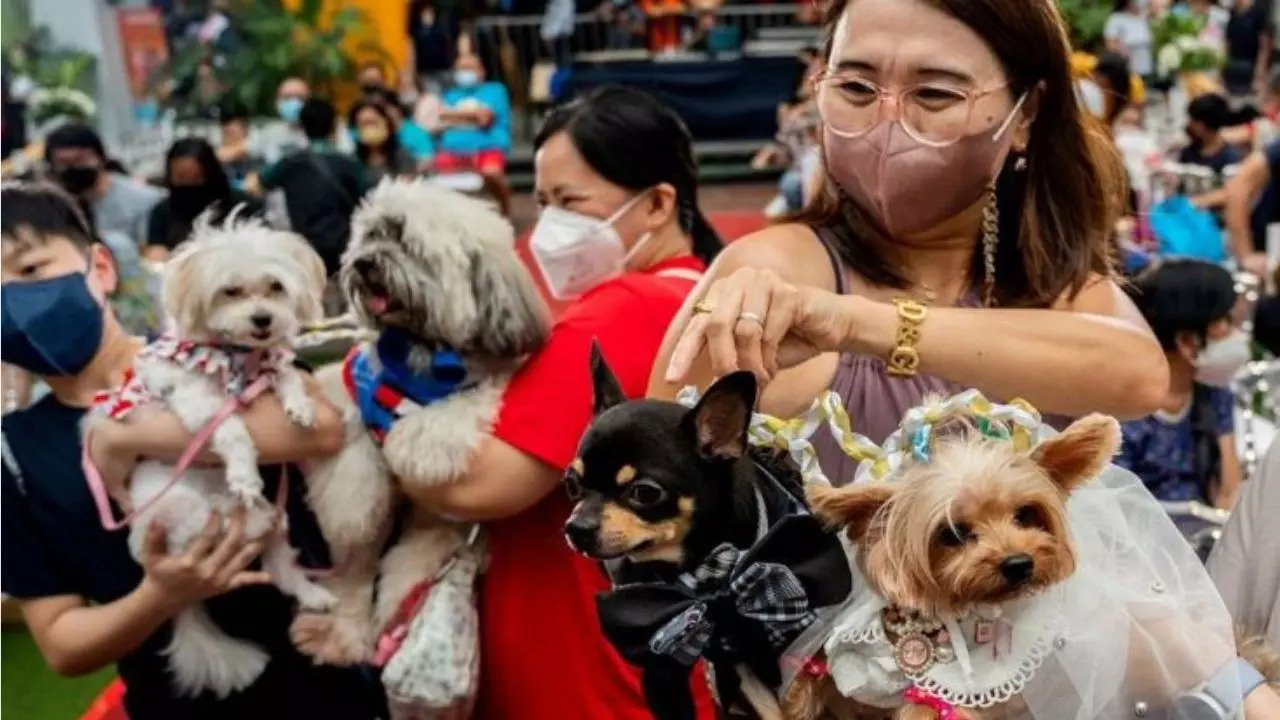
{"type": "Point", "coordinates": [214, 563]}
{"type": "Point", "coordinates": [114, 466]}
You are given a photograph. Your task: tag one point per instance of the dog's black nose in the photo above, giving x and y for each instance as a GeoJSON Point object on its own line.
{"type": "Point", "coordinates": [1017, 569]}
{"type": "Point", "coordinates": [362, 265]}
{"type": "Point", "coordinates": [582, 533]}
{"type": "Point", "coordinates": [261, 320]}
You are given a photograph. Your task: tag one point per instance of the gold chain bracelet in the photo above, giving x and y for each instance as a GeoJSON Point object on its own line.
{"type": "Point", "coordinates": [904, 358]}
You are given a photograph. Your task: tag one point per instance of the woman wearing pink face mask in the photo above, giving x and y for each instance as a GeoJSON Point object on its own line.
{"type": "Point", "coordinates": [961, 239]}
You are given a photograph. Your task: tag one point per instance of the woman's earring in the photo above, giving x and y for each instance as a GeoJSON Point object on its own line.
{"type": "Point", "coordinates": [1020, 163]}
{"type": "Point", "coordinates": [990, 239]}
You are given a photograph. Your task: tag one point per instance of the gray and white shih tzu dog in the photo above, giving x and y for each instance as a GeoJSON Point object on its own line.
{"type": "Point", "coordinates": [436, 275]}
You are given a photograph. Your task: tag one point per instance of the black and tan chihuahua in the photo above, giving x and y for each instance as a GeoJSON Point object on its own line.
{"type": "Point", "coordinates": [685, 504]}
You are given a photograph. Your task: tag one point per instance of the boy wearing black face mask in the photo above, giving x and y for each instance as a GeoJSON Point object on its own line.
{"type": "Point", "coordinates": [78, 162]}
{"type": "Point", "coordinates": [1207, 115]}
{"type": "Point", "coordinates": [85, 600]}
{"type": "Point", "coordinates": [1186, 450]}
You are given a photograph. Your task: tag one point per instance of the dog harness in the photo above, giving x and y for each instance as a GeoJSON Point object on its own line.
{"type": "Point", "coordinates": [234, 367]}
{"type": "Point", "coordinates": [385, 389]}
{"type": "Point", "coordinates": [244, 373]}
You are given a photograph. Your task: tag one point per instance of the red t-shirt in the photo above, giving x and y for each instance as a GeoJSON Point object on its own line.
{"type": "Point", "coordinates": [543, 656]}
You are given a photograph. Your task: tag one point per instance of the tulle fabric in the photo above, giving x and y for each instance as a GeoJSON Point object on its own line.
{"type": "Point", "coordinates": [1137, 625]}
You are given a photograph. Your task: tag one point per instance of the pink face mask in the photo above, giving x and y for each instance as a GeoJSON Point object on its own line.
{"type": "Point", "coordinates": [908, 185]}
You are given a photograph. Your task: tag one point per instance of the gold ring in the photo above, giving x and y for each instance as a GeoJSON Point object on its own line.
{"type": "Point", "coordinates": [701, 308]}
{"type": "Point", "coordinates": [751, 317]}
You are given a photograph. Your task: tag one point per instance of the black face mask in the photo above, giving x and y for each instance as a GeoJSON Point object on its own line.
{"type": "Point", "coordinates": [188, 201]}
{"type": "Point", "coordinates": [77, 179]}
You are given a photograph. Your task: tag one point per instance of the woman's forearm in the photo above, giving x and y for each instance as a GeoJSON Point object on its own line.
{"type": "Point", "coordinates": [1062, 362]}
{"type": "Point", "coordinates": [160, 434]}
{"type": "Point", "coordinates": [78, 639]}
{"type": "Point", "coordinates": [501, 482]}
{"type": "Point", "coordinates": [1261, 704]}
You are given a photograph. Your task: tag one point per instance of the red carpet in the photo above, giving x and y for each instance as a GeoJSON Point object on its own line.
{"type": "Point", "coordinates": [730, 225]}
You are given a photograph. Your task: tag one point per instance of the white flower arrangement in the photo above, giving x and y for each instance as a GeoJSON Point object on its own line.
{"type": "Point", "coordinates": [1188, 53]}
{"type": "Point", "coordinates": [60, 102]}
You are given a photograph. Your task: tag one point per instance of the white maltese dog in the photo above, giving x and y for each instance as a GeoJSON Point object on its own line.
{"type": "Point", "coordinates": [236, 295]}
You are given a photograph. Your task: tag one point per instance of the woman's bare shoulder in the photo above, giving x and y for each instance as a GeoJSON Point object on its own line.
{"type": "Point", "coordinates": [791, 250]}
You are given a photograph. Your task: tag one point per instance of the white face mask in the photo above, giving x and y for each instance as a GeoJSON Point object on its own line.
{"type": "Point", "coordinates": [1221, 359]}
{"type": "Point", "coordinates": [577, 252]}
{"type": "Point", "coordinates": [1095, 101]}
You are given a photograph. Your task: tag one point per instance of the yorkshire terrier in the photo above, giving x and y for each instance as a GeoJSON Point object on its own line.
{"type": "Point", "coordinates": [978, 525]}
{"type": "Point", "coordinates": [678, 495]}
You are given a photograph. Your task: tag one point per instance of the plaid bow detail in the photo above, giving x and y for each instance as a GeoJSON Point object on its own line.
{"type": "Point", "coordinates": [766, 592]}
{"type": "Point", "coordinates": [773, 587]}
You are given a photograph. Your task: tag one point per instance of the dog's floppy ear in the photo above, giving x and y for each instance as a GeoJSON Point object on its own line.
{"type": "Point", "coordinates": [606, 390]}
{"type": "Point", "coordinates": [180, 289]}
{"type": "Point", "coordinates": [720, 420]}
{"type": "Point", "coordinates": [1080, 452]}
{"type": "Point", "coordinates": [853, 507]}
{"type": "Point", "coordinates": [310, 305]}
{"type": "Point", "coordinates": [514, 317]}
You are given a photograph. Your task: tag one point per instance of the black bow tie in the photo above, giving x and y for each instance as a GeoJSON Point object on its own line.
{"type": "Point", "coordinates": [777, 584]}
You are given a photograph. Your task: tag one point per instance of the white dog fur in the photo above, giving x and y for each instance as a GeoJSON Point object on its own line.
{"type": "Point", "coordinates": [214, 287]}
{"type": "Point", "coordinates": [448, 265]}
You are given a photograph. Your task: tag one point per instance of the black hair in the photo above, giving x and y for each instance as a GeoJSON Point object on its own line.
{"type": "Point", "coordinates": [636, 142]}
{"type": "Point", "coordinates": [1114, 67]}
{"type": "Point", "coordinates": [389, 99]}
{"type": "Point", "coordinates": [318, 119]}
{"type": "Point", "coordinates": [1183, 296]}
{"type": "Point", "coordinates": [43, 210]}
{"type": "Point", "coordinates": [1214, 112]}
{"type": "Point", "coordinates": [389, 148]}
{"type": "Point", "coordinates": [233, 112]}
{"type": "Point", "coordinates": [206, 157]}
{"type": "Point", "coordinates": [1266, 324]}
{"type": "Point", "coordinates": [73, 135]}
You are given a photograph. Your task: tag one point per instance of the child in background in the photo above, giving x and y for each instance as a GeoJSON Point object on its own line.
{"type": "Point", "coordinates": [1186, 450]}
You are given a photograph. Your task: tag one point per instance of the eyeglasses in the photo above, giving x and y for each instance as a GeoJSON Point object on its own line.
{"type": "Point", "coordinates": [932, 114]}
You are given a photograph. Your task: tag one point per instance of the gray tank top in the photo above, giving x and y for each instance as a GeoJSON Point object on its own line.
{"type": "Point", "coordinates": [875, 400]}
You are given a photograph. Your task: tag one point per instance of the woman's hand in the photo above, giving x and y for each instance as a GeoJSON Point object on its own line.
{"type": "Point", "coordinates": [754, 320]}
{"type": "Point", "coordinates": [213, 564]}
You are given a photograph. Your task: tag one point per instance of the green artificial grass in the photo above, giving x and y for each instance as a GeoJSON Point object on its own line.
{"type": "Point", "coordinates": [29, 690]}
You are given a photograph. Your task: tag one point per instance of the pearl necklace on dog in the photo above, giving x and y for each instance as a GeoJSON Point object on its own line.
{"type": "Point", "coordinates": [918, 642]}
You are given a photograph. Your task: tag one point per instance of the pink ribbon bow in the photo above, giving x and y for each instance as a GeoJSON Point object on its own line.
{"type": "Point", "coordinates": [945, 710]}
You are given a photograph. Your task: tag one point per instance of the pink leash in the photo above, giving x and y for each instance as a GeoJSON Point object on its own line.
{"type": "Point", "coordinates": [98, 488]}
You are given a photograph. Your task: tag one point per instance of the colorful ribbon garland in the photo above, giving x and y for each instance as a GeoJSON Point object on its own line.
{"type": "Point", "coordinates": [1017, 421]}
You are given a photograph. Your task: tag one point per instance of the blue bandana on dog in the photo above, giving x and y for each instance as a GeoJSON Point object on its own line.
{"type": "Point", "coordinates": [386, 389]}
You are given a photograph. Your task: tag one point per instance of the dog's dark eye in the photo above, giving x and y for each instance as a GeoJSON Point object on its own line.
{"type": "Point", "coordinates": [645, 493]}
{"type": "Point", "coordinates": [233, 291]}
{"type": "Point", "coordinates": [275, 287]}
{"type": "Point", "coordinates": [1028, 516]}
{"type": "Point", "coordinates": [573, 487]}
{"type": "Point", "coordinates": [955, 535]}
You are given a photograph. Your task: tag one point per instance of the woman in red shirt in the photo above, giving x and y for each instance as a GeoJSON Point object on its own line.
{"type": "Point", "coordinates": [622, 239]}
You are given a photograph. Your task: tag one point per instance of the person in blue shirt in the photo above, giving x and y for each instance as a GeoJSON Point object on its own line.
{"type": "Point", "coordinates": [1186, 449]}
{"type": "Point", "coordinates": [476, 118]}
{"type": "Point", "coordinates": [86, 601]}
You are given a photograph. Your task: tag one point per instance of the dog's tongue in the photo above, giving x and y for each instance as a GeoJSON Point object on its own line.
{"type": "Point", "coordinates": [376, 304]}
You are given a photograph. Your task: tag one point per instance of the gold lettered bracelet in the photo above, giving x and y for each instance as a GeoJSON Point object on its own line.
{"type": "Point", "coordinates": [904, 359]}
